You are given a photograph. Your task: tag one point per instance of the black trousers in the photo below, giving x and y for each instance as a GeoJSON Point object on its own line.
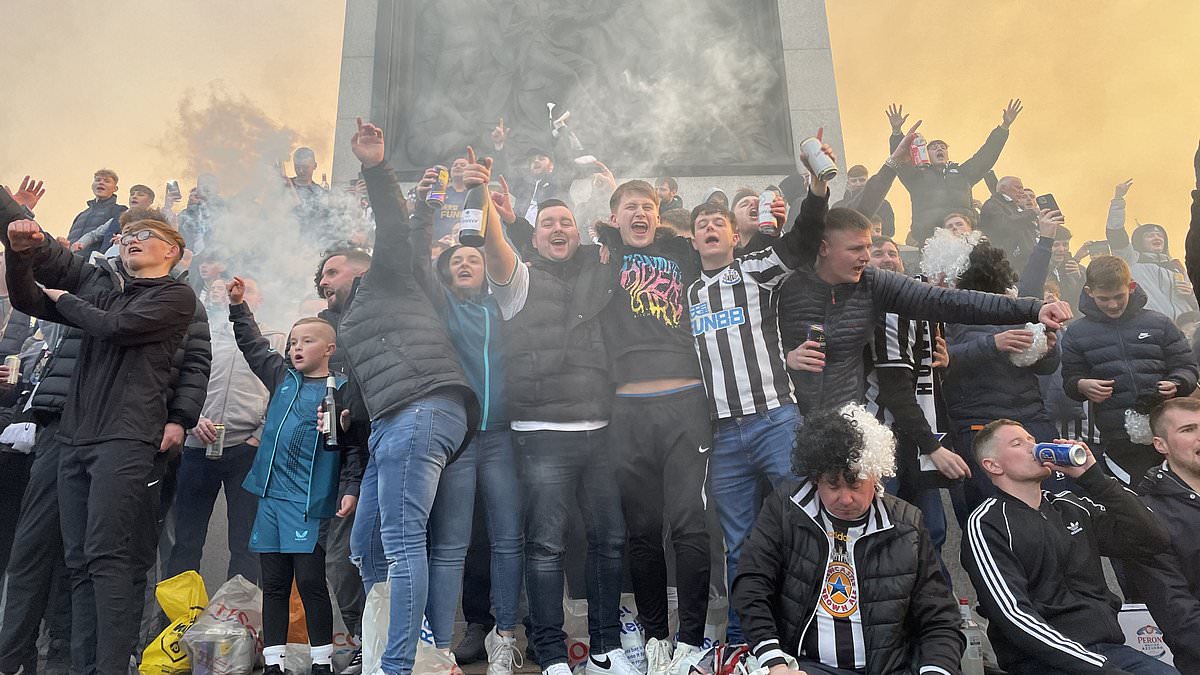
{"type": "Point", "coordinates": [308, 570]}
{"type": "Point", "coordinates": [14, 476]}
{"type": "Point", "coordinates": [101, 488]}
{"type": "Point", "coordinates": [343, 575]}
{"type": "Point", "coordinates": [661, 445]}
{"type": "Point", "coordinates": [36, 566]}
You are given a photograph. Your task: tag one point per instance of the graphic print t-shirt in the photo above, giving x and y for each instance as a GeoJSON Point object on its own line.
{"type": "Point", "coordinates": [646, 324]}
{"type": "Point", "coordinates": [835, 637]}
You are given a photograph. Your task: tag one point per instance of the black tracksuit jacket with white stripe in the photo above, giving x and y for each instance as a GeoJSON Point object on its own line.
{"type": "Point", "coordinates": [1038, 571]}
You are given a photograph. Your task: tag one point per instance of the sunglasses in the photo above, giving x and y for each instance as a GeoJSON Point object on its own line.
{"type": "Point", "coordinates": [143, 235]}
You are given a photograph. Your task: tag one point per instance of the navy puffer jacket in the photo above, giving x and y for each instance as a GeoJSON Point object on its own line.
{"type": "Point", "coordinates": [1137, 350]}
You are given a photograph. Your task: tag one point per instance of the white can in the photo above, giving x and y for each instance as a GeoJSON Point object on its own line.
{"type": "Point", "coordinates": [819, 161]}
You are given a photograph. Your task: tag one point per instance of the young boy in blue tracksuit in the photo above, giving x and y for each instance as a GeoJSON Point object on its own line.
{"type": "Point", "coordinates": [297, 477]}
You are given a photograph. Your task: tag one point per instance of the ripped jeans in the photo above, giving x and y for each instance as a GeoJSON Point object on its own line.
{"type": "Point", "coordinates": [409, 449]}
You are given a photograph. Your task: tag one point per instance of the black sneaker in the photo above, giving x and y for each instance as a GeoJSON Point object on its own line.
{"type": "Point", "coordinates": [321, 669]}
{"type": "Point", "coordinates": [471, 648]}
{"type": "Point", "coordinates": [273, 670]}
{"type": "Point", "coordinates": [355, 665]}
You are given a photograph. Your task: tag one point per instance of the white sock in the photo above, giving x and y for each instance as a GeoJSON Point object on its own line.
{"type": "Point", "coordinates": [322, 654]}
{"type": "Point", "coordinates": [273, 656]}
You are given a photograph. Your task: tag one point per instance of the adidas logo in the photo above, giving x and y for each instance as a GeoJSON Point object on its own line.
{"type": "Point", "coordinates": [1073, 528]}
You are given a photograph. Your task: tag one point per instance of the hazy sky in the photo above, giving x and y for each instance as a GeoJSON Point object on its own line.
{"type": "Point", "coordinates": [1109, 89]}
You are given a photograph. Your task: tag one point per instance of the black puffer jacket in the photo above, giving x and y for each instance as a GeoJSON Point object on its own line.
{"type": "Point", "coordinates": [557, 362]}
{"type": "Point", "coordinates": [98, 212]}
{"type": "Point", "coordinates": [189, 373]}
{"type": "Point", "coordinates": [1137, 350]}
{"type": "Point", "coordinates": [397, 344]}
{"type": "Point", "coordinates": [849, 313]}
{"type": "Point", "coordinates": [909, 616]}
{"type": "Point", "coordinates": [938, 190]}
{"type": "Point", "coordinates": [1170, 584]}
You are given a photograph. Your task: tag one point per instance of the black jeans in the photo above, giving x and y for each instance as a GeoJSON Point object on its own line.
{"type": "Point", "coordinates": [101, 487]}
{"type": "Point", "coordinates": [555, 467]}
{"type": "Point", "coordinates": [36, 566]}
{"type": "Point", "coordinates": [198, 483]}
{"type": "Point", "coordinates": [660, 447]}
{"type": "Point", "coordinates": [308, 569]}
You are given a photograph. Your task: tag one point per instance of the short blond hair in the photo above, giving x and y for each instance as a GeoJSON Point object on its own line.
{"type": "Point", "coordinates": [107, 173]}
{"type": "Point", "coordinates": [317, 321]}
{"type": "Point", "coordinates": [170, 234]}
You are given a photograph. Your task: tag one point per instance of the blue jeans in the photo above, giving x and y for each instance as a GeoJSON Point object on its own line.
{"type": "Point", "coordinates": [200, 480]}
{"type": "Point", "coordinates": [409, 450]}
{"type": "Point", "coordinates": [746, 451]}
{"type": "Point", "coordinates": [1126, 658]}
{"type": "Point", "coordinates": [488, 464]}
{"type": "Point", "coordinates": [556, 466]}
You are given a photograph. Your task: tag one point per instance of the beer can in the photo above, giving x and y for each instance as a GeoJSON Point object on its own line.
{"type": "Point", "coordinates": [437, 193]}
{"type": "Point", "coordinates": [766, 220]}
{"type": "Point", "coordinates": [920, 151]}
{"type": "Point", "coordinates": [1061, 454]}
{"type": "Point", "coordinates": [819, 161]}
{"type": "Point", "coordinates": [216, 449]}
{"type": "Point", "coordinates": [816, 333]}
{"type": "Point", "coordinates": [14, 368]}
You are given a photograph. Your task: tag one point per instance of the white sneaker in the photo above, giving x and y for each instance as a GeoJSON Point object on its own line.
{"type": "Point", "coordinates": [502, 652]}
{"type": "Point", "coordinates": [682, 651]}
{"type": "Point", "coordinates": [557, 669]}
{"type": "Point", "coordinates": [611, 663]}
{"type": "Point", "coordinates": [658, 656]}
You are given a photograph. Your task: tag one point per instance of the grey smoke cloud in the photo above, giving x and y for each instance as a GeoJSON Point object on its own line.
{"type": "Point", "coordinates": [256, 227]}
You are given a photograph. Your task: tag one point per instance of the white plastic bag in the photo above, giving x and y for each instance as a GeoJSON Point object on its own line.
{"type": "Point", "coordinates": [375, 620]}
{"type": "Point", "coordinates": [1031, 355]}
{"type": "Point", "coordinates": [225, 639]}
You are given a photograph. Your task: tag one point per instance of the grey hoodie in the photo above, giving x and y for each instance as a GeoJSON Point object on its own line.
{"type": "Point", "coordinates": [1155, 273]}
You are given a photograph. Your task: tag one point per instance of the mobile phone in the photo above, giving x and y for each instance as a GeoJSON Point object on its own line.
{"type": "Point", "coordinates": [1047, 201]}
{"type": "Point", "coordinates": [1099, 248]}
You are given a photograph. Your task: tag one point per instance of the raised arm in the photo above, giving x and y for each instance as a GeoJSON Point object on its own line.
{"type": "Point", "coordinates": [269, 365]}
{"type": "Point", "coordinates": [1037, 268]}
{"type": "Point", "coordinates": [499, 256]}
{"type": "Point", "coordinates": [876, 189]}
{"type": "Point", "coordinates": [985, 158]}
{"type": "Point", "coordinates": [1114, 227]}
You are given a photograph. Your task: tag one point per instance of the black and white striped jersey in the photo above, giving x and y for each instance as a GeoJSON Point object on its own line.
{"type": "Point", "coordinates": [734, 314]}
{"type": "Point", "coordinates": [908, 343]}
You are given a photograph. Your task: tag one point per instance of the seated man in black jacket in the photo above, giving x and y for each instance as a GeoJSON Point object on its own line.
{"type": "Point", "coordinates": [134, 315]}
{"type": "Point", "coordinates": [1171, 584]}
{"type": "Point", "coordinates": [1034, 558]}
{"type": "Point", "coordinates": [838, 577]}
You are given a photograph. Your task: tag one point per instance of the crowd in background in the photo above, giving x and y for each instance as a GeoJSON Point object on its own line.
{"type": "Point", "coordinates": [491, 391]}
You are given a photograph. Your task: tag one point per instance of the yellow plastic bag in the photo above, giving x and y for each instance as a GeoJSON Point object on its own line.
{"type": "Point", "coordinates": [183, 599]}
